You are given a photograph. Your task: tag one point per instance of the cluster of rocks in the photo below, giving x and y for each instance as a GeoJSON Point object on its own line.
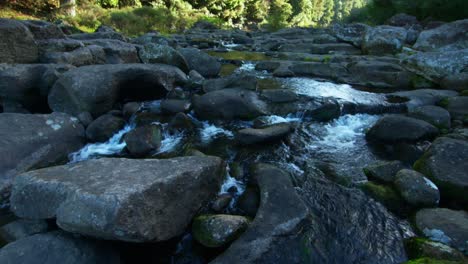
{"type": "Point", "coordinates": [60, 91]}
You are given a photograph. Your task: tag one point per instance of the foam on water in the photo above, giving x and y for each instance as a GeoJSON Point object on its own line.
{"type": "Point", "coordinates": [246, 67]}
{"type": "Point", "coordinates": [210, 132]}
{"type": "Point", "coordinates": [344, 132]}
{"type": "Point", "coordinates": [344, 92]}
{"type": "Point", "coordinates": [111, 147]}
{"type": "Point", "coordinates": [170, 141]}
{"type": "Point", "coordinates": [274, 119]}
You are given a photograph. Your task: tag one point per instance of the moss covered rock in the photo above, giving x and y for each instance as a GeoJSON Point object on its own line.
{"type": "Point", "coordinates": [384, 194]}
{"type": "Point", "coordinates": [417, 247]}
{"type": "Point", "coordinates": [218, 230]}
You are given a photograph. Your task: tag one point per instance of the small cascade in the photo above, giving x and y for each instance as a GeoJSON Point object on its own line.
{"type": "Point", "coordinates": [209, 132]}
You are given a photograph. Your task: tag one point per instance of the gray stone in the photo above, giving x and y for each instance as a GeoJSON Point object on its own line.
{"type": "Point", "coordinates": [383, 40]}
{"type": "Point", "coordinates": [398, 129]}
{"type": "Point", "coordinates": [351, 33]}
{"type": "Point", "coordinates": [384, 171]}
{"type": "Point", "coordinates": [116, 51]}
{"type": "Point", "coordinates": [203, 63]}
{"type": "Point", "coordinates": [141, 141]}
{"type": "Point", "coordinates": [444, 225]}
{"type": "Point", "coordinates": [416, 189]}
{"type": "Point", "coordinates": [446, 164]}
{"type": "Point", "coordinates": [104, 127]}
{"type": "Point", "coordinates": [22, 228]}
{"type": "Point", "coordinates": [120, 199]}
{"type": "Point", "coordinates": [98, 35]}
{"type": "Point", "coordinates": [402, 20]}
{"type": "Point", "coordinates": [174, 106]}
{"type": "Point", "coordinates": [58, 247]}
{"type": "Point", "coordinates": [244, 81]}
{"type": "Point", "coordinates": [87, 55]}
{"type": "Point", "coordinates": [43, 29]}
{"type": "Point", "coordinates": [95, 89]}
{"type": "Point", "coordinates": [153, 53]}
{"type": "Point", "coordinates": [229, 104]}
{"type": "Point", "coordinates": [450, 36]}
{"type": "Point", "coordinates": [17, 44]}
{"type": "Point", "coordinates": [218, 230]}
{"type": "Point", "coordinates": [421, 97]}
{"type": "Point", "coordinates": [276, 132]}
{"type": "Point", "coordinates": [437, 116]}
{"type": "Point", "coordinates": [458, 107]}
{"type": "Point", "coordinates": [36, 141]}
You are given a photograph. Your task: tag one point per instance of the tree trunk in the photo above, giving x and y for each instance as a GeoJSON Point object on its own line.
{"type": "Point", "coordinates": [68, 7]}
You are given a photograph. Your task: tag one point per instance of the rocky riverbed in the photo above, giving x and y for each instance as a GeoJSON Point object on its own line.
{"type": "Point", "coordinates": [346, 144]}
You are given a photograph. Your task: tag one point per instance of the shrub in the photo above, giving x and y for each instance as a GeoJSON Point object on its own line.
{"type": "Point", "coordinates": [278, 15]}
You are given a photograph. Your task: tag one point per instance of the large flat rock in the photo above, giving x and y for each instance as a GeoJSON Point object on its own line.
{"type": "Point", "coordinates": [120, 199]}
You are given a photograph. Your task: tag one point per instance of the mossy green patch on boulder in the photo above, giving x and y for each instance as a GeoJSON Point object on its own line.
{"type": "Point", "coordinates": [218, 230]}
{"type": "Point", "coordinates": [432, 261]}
{"type": "Point", "coordinates": [384, 194]}
{"type": "Point", "coordinates": [227, 69]}
{"type": "Point", "coordinates": [240, 55]}
{"type": "Point", "coordinates": [417, 247]}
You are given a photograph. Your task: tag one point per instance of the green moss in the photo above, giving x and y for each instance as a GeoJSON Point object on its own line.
{"type": "Point", "coordinates": [227, 69]}
{"type": "Point", "coordinates": [421, 82]}
{"type": "Point", "coordinates": [464, 93]}
{"type": "Point", "coordinates": [240, 55]}
{"type": "Point", "coordinates": [327, 59]}
{"type": "Point", "coordinates": [201, 233]}
{"type": "Point", "coordinates": [384, 194]}
{"type": "Point", "coordinates": [431, 261]}
{"type": "Point", "coordinates": [444, 102]}
{"type": "Point", "coordinates": [266, 84]}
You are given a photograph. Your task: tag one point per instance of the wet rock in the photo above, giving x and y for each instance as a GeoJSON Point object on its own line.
{"type": "Point", "coordinates": [222, 201]}
{"type": "Point", "coordinates": [384, 171]}
{"type": "Point", "coordinates": [314, 69]}
{"type": "Point", "coordinates": [243, 81]}
{"type": "Point", "coordinates": [437, 116]}
{"type": "Point", "coordinates": [182, 122]}
{"type": "Point", "coordinates": [276, 132]}
{"type": "Point", "coordinates": [218, 230]}
{"type": "Point", "coordinates": [283, 72]}
{"type": "Point", "coordinates": [268, 66]}
{"type": "Point", "coordinates": [279, 95]}
{"type": "Point", "coordinates": [22, 228]}
{"type": "Point", "coordinates": [104, 127]}
{"type": "Point", "coordinates": [85, 118]}
{"type": "Point", "coordinates": [397, 129]}
{"type": "Point", "coordinates": [383, 40]}
{"type": "Point", "coordinates": [351, 33]}
{"type": "Point", "coordinates": [153, 53]}
{"type": "Point", "coordinates": [28, 84]}
{"type": "Point", "coordinates": [58, 247]}
{"type": "Point", "coordinates": [445, 163]}
{"type": "Point", "coordinates": [416, 189]}
{"type": "Point", "coordinates": [38, 141]}
{"type": "Point", "coordinates": [444, 225]}
{"type": "Point", "coordinates": [229, 104]}
{"type": "Point", "coordinates": [417, 247]}
{"type": "Point", "coordinates": [141, 141]}
{"type": "Point", "coordinates": [120, 199]}
{"type": "Point", "coordinates": [276, 225]}
{"type": "Point", "coordinates": [384, 194]}
{"type": "Point", "coordinates": [249, 201]}
{"type": "Point", "coordinates": [421, 97]}
{"type": "Point", "coordinates": [97, 88]}
{"type": "Point", "coordinates": [129, 109]}
{"type": "Point", "coordinates": [457, 81]}
{"type": "Point", "coordinates": [17, 44]}
{"type": "Point", "coordinates": [174, 106]}
{"type": "Point", "coordinates": [203, 63]}
{"type": "Point", "coordinates": [450, 36]}
{"type": "Point", "coordinates": [457, 107]}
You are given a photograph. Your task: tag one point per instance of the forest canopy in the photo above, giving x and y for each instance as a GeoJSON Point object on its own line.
{"type": "Point", "coordinates": [137, 16]}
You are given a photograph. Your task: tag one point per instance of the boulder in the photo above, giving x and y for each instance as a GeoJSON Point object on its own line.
{"type": "Point", "coordinates": [383, 40]}
{"type": "Point", "coordinates": [248, 136]}
{"type": "Point", "coordinates": [143, 140]}
{"type": "Point", "coordinates": [457, 81]}
{"type": "Point", "coordinates": [384, 171]}
{"type": "Point", "coordinates": [22, 228]}
{"type": "Point", "coordinates": [435, 66]}
{"type": "Point", "coordinates": [28, 84]}
{"type": "Point", "coordinates": [418, 247]}
{"type": "Point", "coordinates": [278, 221]}
{"type": "Point", "coordinates": [223, 200]}
{"type": "Point", "coordinates": [445, 163]}
{"type": "Point", "coordinates": [233, 103]}
{"type": "Point", "coordinates": [43, 29]}
{"type": "Point", "coordinates": [82, 56]}
{"type": "Point", "coordinates": [279, 95]}
{"type": "Point", "coordinates": [444, 225]}
{"type": "Point", "coordinates": [17, 44]}
{"type": "Point", "coordinates": [154, 53]}
{"type": "Point", "coordinates": [95, 89]}
{"type": "Point", "coordinates": [58, 45]}
{"type": "Point", "coordinates": [435, 115]}
{"type": "Point", "coordinates": [416, 189]}
{"type": "Point", "coordinates": [130, 109]}
{"type": "Point", "coordinates": [457, 107]}
{"type": "Point", "coordinates": [120, 199]}
{"type": "Point", "coordinates": [98, 35]}
{"type": "Point", "coordinates": [249, 201]}
{"type": "Point", "coordinates": [203, 63]}
{"type": "Point", "coordinates": [398, 129]}
{"type": "Point", "coordinates": [58, 247]}
{"type": "Point", "coordinates": [116, 51]}
{"type": "Point", "coordinates": [218, 230]}
{"type": "Point", "coordinates": [402, 20]}
{"type": "Point", "coordinates": [244, 81]}
{"type": "Point", "coordinates": [420, 97]}
{"type": "Point", "coordinates": [350, 33]}
{"type": "Point", "coordinates": [174, 106]}
{"type": "Point", "coordinates": [36, 141]}
{"type": "Point", "coordinates": [450, 36]}
{"type": "Point", "coordinates": [104, 127]}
